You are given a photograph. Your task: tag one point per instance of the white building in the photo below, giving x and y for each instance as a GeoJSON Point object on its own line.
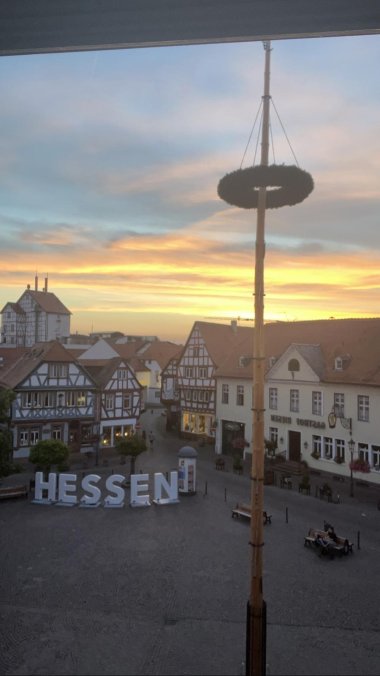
{"type": "Point", "coordinates": [38, 316]}
{"type": "Point", "coordinates": [322, 393]}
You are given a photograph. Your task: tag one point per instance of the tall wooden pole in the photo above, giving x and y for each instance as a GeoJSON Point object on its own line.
{"type": "Point", "coordinates": [256, 612]}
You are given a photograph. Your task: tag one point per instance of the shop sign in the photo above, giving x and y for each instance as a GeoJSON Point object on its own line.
{"type": "Point", "coordinates": [281, 419]}
{"type": "Point", "coordinates": [311, 423]}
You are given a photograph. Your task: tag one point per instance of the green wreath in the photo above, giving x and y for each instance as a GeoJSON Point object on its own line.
{"type": "Point", "coordinates": [291, 186]}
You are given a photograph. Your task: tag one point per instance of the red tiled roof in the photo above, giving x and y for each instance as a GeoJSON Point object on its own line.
{"type": "Point", "coordinates": [357, 338]}
{"type": "Point", "coordinates": [51, 351]}
{"type": "Point", "coordinates": [47, 301]}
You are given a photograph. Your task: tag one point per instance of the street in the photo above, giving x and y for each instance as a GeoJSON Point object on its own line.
{"type": "Point", "coordinates": [163, 590]}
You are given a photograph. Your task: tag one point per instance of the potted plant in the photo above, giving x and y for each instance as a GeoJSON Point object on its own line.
{"type": "Point", "coordinates": [270, 447]}
{"type": "Point", "coordinates": [237, 464]}
{"type": "Point", "coordinates": [239, 444]}
{"type": "Point", "coordinates": [315, 454]}
{"type": "Point", "coordinates": [360, 465]}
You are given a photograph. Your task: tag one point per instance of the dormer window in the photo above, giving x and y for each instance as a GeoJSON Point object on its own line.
{"type": "Point", "coordinates": [272, 361]}
{"type": "Point", "coordinates": [293, 365]}
{"type": "Point", "coordinates": [244, 360]}
{"type": "Point", "coordinates": [341, 362]}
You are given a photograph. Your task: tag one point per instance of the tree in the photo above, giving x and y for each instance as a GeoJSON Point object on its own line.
{"type": "Point", "coordinates": [131, 446]}
{"type": "Point", "coordinates": [6, 398]}
{"type": "Point", "coordinates": [49, 452]}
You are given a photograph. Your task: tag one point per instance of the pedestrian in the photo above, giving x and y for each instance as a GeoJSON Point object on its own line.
{"type": "Point", "coordinates": [151, 439]}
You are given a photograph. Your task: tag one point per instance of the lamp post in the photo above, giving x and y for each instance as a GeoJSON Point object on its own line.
{"type": "Point", "coordinates": [334, 415]}
{"type": "Point", "coordinates": [351, 446]}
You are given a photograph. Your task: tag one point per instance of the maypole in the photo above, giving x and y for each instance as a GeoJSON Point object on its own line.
{"type": "Point", "coordinates": [247, 188]}
{"type": "Point", "coordinates": [256, 609]}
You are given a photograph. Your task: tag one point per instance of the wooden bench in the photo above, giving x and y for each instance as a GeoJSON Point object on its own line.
{"type": "Point", "coordinates": [339, 546]}
{"type": "Point", "coordinates": [13, 492]}
{"type": "Point", "coordinates": [244, 510]}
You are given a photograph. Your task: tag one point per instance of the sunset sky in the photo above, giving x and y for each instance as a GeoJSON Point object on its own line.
{"type": "Point", "coordinates": [110, 161]}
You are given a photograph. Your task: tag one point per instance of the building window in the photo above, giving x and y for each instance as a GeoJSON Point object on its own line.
{"type": "Point", "coordinates": [316, 446]}
{"type": "Point", "coordinates": [194, 395]}
{"type": "Point", "coordinates": [339, 450]}
{"type": "Point", "coordinates": [273, 398]}
{"type": "Point", "coordinates": [273, 435]}
{"type": "Point", "coordinates": [71, 398]}
{"type": "Point", "coordinates": [81, 399]}
{"type": "Point", "coordinates": [126, 402]}
{"type": "Point", "coordinates": [294, 400]}
{"type": "Point", "coordinates": [56, 433]}
{"type": "Point", "coordinates": [34, 436]}
{"type": "Point", "coordinates": [240, 395]}
{"type": "Point", "coordinates": [122, 374]}
{"type": "Point", "coordinates": [203, 371]}
{"type": "Point", "coordinates": [293, 366]}
{"type": "Point", "coordinates": [363, 452]}
{"type": "Point", "coordinates": [24, 438]}
{"type": "Point", "coordinates": [224, 394]}
{"type": "Point", "coordinates": [48, 399]}
{"type": "Point", "coordinates": [188, 372]}
{"type": "Point", "coordinates": [110, 402]}
{"type": "Point", "coordinates": [339, 404]}
{"type": "Point", "coordinates": [375, 457]}
{"type": "Point", "coordinates": [195, 351]}
{"type": "Point", "coordinates": [58, 370]}
{"type": "Point", "coordinates": [327, 448]}
{"type": "Point", "coordinates": [317, 403]}
{"type": "Point", "coordinates": [30, 400]}
{"type": "Point", "coordinates": [363, 407]}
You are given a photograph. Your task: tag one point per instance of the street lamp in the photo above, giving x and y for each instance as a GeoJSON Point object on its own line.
{"type": "Point", "coordinates": [351, 447]}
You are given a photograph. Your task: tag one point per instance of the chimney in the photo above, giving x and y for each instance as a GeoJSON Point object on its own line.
{"type": "Point", "coordinates": [36, 283]}
{"type": "Point", "coordinates": [46, 285]}
{"type": "Point", "coordinates": [234, 325]}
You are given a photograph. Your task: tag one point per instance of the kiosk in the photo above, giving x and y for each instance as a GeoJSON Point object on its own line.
{"type": "Point", "coordinates": [187, 465]}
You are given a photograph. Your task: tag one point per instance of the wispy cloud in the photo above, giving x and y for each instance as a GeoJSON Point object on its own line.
{"type": "Point", "coordinates": [110, 162]}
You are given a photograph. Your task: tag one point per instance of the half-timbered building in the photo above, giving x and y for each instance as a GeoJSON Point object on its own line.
{"type": "Point", "coordinates": [119, 394]}
{"type": "Point", "coordinates": [205, 348]}
{"type": "Point", "coordinates": [38, 316]}
{"type": "Point", "coordinates": [170, 394]}
{"type": "Point", "coordinates": [55, 399]}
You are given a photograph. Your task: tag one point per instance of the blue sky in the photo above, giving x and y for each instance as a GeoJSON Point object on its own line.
{"type": "Point", "coordinates": [109, 165]}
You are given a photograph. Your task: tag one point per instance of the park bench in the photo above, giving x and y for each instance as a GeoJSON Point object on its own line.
{"type": "Point", "coordinates": [20, 491]}
{"type": "Point", "coordinates": [244, 510]}
{"type": "Point", "coordinates": [339, 546]}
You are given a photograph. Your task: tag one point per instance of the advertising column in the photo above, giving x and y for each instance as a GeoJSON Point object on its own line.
{"type": "Point", "coordinates": [187, 465]}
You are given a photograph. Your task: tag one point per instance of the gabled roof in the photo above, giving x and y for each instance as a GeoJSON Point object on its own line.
{"type": "Point", "coordinates": [103, 370]}
{"type": "Point", "coordinates": [47, 301]}
{"type": "Point", "coordinates": [15, 307]}
{"type": "Point", "coordinates": [222, 339]}
{"type": "Point", "coordinates": [20, 369]}
{"type": "Point", "coordinates": [320, 341]}
{"type": "Point", "coordinates": [160, 351]}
